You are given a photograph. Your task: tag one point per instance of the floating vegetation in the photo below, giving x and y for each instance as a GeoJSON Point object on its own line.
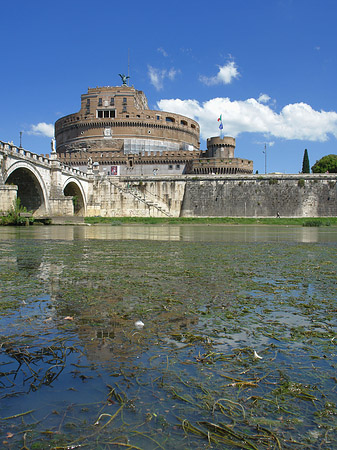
{"type": "Point", "coordinates": [37, 367]}
{"type": "Point", "coordinates": [167, 344]}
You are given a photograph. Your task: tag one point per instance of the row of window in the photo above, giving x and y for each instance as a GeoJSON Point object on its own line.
{"type": "Point", "coordinates": [171, 166]}
{"type": "Point", "coordinates": [106, 113]}
{"type": "Point", "coordinates": [106, 102]}
{"type": "Point", "coordinates": [112, 101]}
{"type": "Point", "coordinates": [111, 113]}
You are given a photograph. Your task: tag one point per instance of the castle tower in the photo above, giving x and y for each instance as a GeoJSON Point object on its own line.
{"type": "Point", "coordinates": [218, 147]}
{"type": "Point", "coordinates": [117, 119]}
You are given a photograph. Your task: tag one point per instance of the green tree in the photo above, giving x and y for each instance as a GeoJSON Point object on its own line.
{"type": "Point", "coordinates": [326, 164]}
{"type": "Point", "coordinates": [305, 164]}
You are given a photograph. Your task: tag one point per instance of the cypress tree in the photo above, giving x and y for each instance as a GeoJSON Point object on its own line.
{"type": "Point", "coordinates": [305, 165]}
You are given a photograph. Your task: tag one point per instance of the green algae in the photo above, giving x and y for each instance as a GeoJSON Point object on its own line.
{"type": "Point", "coordinates": [190, 377]}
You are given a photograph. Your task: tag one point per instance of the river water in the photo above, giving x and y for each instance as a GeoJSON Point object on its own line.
{"type": "Point", "coordinates": [168, 336]}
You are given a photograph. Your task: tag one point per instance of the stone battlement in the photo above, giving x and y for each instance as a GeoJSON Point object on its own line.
{"type": "Point", "coordinates": [7, 148]}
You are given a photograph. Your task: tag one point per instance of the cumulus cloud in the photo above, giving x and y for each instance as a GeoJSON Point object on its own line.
{"type": "Point", "coordinates": [157, 76]}
{"type": "Point", "coordinates": [294, 121]}
{"type": "Point", "coordinates": [42, 129]}
{"type": "Point", "coordinates": [226, 75]}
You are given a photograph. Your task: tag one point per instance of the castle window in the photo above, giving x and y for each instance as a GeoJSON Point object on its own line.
{"type": "Point", "coordinates": [170, 119]}
{"type": "Point", "coordinates": [100, 102]}
{"type": "Point", "coordinates": [106, 113]}
{"type": "Point", "coordinates": [170, 166]}
{"type": "Point", "coordinates": [158, 117]}
{"type": "Point", "coordinates": [124, 100]}
{"type": "Point", "coordinates": [124, 108]}
{"type": "Point", "coordinates": [183, 122]}
{"type": "Point", "coordinates": [112, 101]}
{"type": "Point", "coordinates": [192, 125]}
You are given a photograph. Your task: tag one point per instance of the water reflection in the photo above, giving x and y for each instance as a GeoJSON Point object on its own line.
{"type": "Point", "coordinates": [191, 233]}
{"type": "Point", "coordinates": [71, 296]}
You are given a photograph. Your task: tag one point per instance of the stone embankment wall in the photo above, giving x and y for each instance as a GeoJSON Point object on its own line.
{"type": "Point", "coordinates": [216, 196]}
{"type": "Point", "coordinates": [262, 196]}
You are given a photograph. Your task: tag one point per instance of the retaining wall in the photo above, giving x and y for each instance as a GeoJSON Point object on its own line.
{"type": "Point", "coordinates": [299, 195]}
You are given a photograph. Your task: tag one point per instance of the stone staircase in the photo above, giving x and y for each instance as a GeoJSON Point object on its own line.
{"type": "Point", "coordinates": [140, 196]}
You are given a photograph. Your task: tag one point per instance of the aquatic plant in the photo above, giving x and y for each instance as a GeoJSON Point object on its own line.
{"type": "Point", "coordinates": [238, 349]}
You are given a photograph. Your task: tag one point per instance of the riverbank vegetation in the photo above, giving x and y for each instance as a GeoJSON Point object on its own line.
{"type": "Point", "coordinates": [17, 215]}
{"type": "Point", "coordinates": [301, 221]}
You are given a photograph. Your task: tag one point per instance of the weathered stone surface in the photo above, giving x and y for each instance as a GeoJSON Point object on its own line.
{"type": "Point", "coordinates": [53, 189]}
{"type": "Point", "coordinates": [261, 196]}
{"type": "Point", "coordinates": [7, 197]}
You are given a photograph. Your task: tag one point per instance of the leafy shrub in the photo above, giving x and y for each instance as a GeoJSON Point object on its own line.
{"type": "Point", "coordinates": [14, 216]}
{"type": "Point", "coordinates": [315, 223]}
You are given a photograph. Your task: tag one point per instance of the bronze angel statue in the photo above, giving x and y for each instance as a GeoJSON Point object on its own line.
{"type": "Point", "coordinates": [124, 78]}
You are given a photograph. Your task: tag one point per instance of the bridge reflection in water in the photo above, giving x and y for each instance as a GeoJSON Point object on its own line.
{"type": "Point", "coordinates": [201, 233]}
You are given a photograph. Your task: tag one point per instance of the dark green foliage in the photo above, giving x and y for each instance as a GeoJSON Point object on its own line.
{"type": "Point", "coordinates": [326, 164]}
{"type": "Point", "coordinates": [17, 215]}
{"type": "Point", "coordinates": [315, 223]}
{"type": "Point", "coordinates": [305, 165]}
{"type": "Point", "coordinates": [301, 182]}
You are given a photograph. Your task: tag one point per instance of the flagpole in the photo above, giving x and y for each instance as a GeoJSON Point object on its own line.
{"type": "Point", "coordinates": [220, 126]}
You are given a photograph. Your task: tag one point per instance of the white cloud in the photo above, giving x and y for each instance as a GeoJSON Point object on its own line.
{"type": "Point", "coordinates": [162, 51]}
{"type": "Point", "coordinates": [226, 75]}
{"type": "Point", "coordinates": [171, 74]}
{"type": "Point", "coordinates": [263, 98]}
{"type": "Point", "coordinates": [294, 121]}
{"type": "Point", "coordinates": [42, 129]}
{"type": "Point", "coordinates": [157, 76]}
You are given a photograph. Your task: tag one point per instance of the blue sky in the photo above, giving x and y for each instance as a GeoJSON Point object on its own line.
{"type": "Point", "coordinates": [268, 66]}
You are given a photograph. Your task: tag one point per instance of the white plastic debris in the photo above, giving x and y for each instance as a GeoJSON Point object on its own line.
{"type": "Point", "coordinates": [256, 356]}
{"type": "Point", "coordinates": [139, 324]}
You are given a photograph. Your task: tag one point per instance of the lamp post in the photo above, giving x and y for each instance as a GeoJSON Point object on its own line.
{"type": "Point", "coordinates": [265, 158]}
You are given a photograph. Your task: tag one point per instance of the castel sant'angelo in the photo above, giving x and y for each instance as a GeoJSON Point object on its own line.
{"type": "Point", "coordinates": [118, 134]}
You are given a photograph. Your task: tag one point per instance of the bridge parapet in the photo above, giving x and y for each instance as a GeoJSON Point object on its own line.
{"type": "Point", "coordinates": [72, 171]}
{"type": "Point", "coordinates": [10, 149]}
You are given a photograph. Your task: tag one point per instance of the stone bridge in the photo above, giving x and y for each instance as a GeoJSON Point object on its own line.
{"type": "Point", "coordinates": [44, 185]}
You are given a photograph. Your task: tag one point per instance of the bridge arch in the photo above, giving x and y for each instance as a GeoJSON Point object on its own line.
{"type": "Point", "coordinates": [32, 190]}
{"type": "Point", "coordinates": [73, 188]}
